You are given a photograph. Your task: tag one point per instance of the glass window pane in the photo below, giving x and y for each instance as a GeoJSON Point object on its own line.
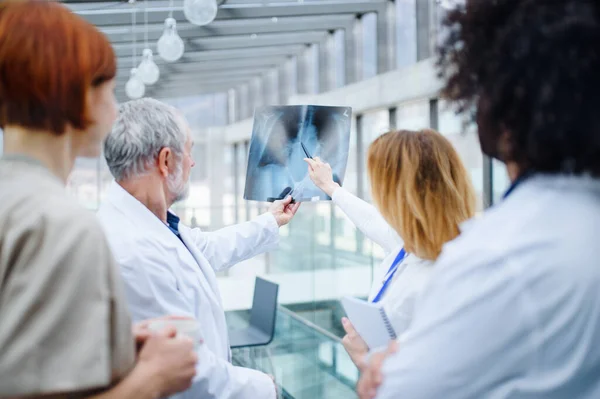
{"type": "Point", "coordinates": [465, 140]}
{"type": "Point", "coordinates": [369, 45]}
{"type": "Point", "coordinates": [406, 33]}
{"type": "Point", "coordinates": [203, 110]}
{"type": "Point", "coordinates": [292, 73]}
{"type": "Point", "coordinates": [413, 115]}
{"type": "Point", "coordinates": [242, 161]}
{"type": "Point", "coordinates": [84, 182]}
{"type": "Point", "coordinates": [374, 124]}
{"type": "Point", "coordinates": [339, 50]}
{"type": "Point", "coordinates": [500, 180]}
{"type": "Point", "coordinates": [351, 177]}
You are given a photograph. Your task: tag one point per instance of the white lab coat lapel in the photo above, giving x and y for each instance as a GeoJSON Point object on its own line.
{"type": "Point", "coordinates": [147, 222]}
{"type": "Point", "coordinates": [188, 257]}
{"type": "Point", "coordinates": [205, 268]}
{"type": "Point", "coordinates": [211, 290]}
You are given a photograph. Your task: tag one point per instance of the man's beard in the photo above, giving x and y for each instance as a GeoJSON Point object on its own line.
{"type": "Point", "coordinates": [178, 188]}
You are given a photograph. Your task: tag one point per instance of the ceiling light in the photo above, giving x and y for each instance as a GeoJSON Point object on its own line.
{"type": "Point", "coordinates": [135, 88]}
{"type": "Point", "coordinates": [170, 46]}
{"type": "Point", "coordinates": [148, 71]}
{"type": "Point", "coordinates": [200, 12]}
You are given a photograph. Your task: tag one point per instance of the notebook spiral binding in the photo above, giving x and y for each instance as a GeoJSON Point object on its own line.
{"type": "Point", "coordinates": [388, 324]}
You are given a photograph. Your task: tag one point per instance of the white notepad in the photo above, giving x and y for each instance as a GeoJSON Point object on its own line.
{"type": "Point", "coordinates": [370, 321]}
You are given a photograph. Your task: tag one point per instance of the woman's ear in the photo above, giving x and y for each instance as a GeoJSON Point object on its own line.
{"type": "Point", "coordinates": [165, 161]}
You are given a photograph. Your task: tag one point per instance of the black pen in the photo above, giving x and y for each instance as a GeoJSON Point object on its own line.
{"type": "Point", "coordinates": [306, 151]}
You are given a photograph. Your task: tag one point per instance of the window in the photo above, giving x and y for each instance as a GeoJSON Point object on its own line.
{"type": "Point", "coordinates": [464, 138]}
{"type": "Point", "coordinates": [339, 56]}
{"type": "Point", "coordinates": [406, 33]}
{"type": "Point", "coordinates": [200, 170]}
{"type": "Point", "coordinates": [500, 180]}
{"type": "Point", "coordinates": [413, 116]}
{"type": "Point", "coordinates": [84, 182]}
{"type": "Point", "coordinates": [369, 45]}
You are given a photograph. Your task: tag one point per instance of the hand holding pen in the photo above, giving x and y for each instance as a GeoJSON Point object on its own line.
{"type": "Point", "coordinates": [321, 174]}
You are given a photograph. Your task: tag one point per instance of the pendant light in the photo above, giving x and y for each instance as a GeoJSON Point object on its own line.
{"type": "Point", "coordinates": [170, 46]}
{"type": "Point", "coordinates": [200, 12]}
{"type": "Point", "coordinates": [147, 70]}
{"type": "Point", "coordinates": [134, 88]}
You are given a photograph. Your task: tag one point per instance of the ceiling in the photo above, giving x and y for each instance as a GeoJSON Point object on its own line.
{"type": "Point", "coordinates": [247, 39]}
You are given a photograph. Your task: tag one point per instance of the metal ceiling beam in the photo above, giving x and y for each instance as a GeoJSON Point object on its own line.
{"type": "Point", "coordinates": [223, 55]}
{"type": "Point", "coordinates": [188, 92]}
{"type": "Point", "coordinates": [232, 42]}
{"type": "Point", "coordinates": [221, 65]}
{"type": "Point", "coordinates": [118, 34]}
{"type": "Point", "coordinates": [106, 15]}
{"type": "Point", "coordinates": [204, 76]}
{"type": "Point", "coordinates": [191, 84]}
{"type": "Point", "coordinates": [122, 97]}
{"type": "Point", "coordinates": [222, 83]}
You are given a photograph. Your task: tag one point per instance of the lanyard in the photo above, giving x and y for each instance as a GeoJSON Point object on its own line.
{"type": "Point", "coordinates": [390, 274]}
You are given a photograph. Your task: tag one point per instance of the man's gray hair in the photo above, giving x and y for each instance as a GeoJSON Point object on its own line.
{"type": "Point", "coordinates": [143, 128]}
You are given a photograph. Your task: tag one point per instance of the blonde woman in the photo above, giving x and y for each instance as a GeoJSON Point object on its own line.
{"type": "Point", "coordinates": [422, 193]}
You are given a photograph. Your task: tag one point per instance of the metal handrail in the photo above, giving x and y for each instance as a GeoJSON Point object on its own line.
{"type": "Point", "coordinates": [309, 324]}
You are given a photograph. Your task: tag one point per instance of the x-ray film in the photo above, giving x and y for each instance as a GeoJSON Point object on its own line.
{"type": "Point", "coordinates": [282, 137]}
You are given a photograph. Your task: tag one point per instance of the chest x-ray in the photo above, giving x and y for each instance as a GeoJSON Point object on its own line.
{"type": "Point", "coordinates": [282, 137]}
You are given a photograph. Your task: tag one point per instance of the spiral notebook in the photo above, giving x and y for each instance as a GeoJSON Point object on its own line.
{"type": "Point", "coordinates": [370, 321]}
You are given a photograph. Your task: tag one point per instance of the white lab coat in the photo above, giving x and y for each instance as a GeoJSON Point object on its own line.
{"type": "Point", "coordinates": [513, 307]}
{"type": "Point", "coordinates": [163, 276]}
{"type": "Point", "coordinates": [413, 273]}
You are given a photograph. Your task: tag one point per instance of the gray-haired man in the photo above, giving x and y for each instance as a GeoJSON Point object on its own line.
{"type": "Point", "coordinates": [169, 268]}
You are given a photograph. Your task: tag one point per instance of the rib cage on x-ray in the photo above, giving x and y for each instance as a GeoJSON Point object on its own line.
{"type": "Point", "coordinates": [275, 162]}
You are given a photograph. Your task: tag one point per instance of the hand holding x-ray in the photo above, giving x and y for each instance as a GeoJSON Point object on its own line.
{"type": "Point", "coordinates": [284, 210]}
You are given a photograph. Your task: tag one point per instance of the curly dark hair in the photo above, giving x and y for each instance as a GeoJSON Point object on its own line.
{"type": "Point", "coordinates": [531, 71]}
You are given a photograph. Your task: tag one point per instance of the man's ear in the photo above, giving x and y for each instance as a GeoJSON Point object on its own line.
{"type": "Point", "coordinates": [165, 161]}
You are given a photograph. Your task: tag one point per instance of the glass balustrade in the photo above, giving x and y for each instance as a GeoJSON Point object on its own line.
{"type": "Point", "coordinates": [307, 361]}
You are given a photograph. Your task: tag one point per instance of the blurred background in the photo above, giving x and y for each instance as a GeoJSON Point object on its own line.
{"type": "Point", "coordinates": [216, 62]}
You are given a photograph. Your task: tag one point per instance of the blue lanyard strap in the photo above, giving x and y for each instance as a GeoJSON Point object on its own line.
{"type": "Point", "coordinates": [390, 274]}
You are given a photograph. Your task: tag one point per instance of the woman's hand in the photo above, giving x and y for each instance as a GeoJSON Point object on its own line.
{"type": "Point", "coordinates": [141, 331]}
{"type": "Point", "coordinates": [322, 175]}
{"type": "Point", "coordinates": [371, 376]}
{"type": "Point", "coordinates": [354, 344]}
{"type": "Point", "coordinates": [168, 362]}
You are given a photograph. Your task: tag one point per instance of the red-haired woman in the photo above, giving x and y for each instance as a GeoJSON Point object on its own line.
{"type": "Point", "coordinates": [65, 330]}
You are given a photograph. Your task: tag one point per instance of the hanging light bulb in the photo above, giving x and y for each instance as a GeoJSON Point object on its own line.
{"type": "Point", "coordinates": [148, 71]}
{"type": "Point", "coordinates": [170, 46]}
{"type": "Point", "coordinates": [200, 12]}
{"type": "Point", "coordinates": [135, 88]}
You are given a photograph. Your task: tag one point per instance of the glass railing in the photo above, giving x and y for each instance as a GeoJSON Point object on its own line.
{"type": "Point", "coordinates": [307, 361]}
{"type": "Point", "coordinates": [321, 258]}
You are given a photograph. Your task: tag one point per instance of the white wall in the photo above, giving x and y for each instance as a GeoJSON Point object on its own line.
{"type": "Point", "coordinates": [417, 81]}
